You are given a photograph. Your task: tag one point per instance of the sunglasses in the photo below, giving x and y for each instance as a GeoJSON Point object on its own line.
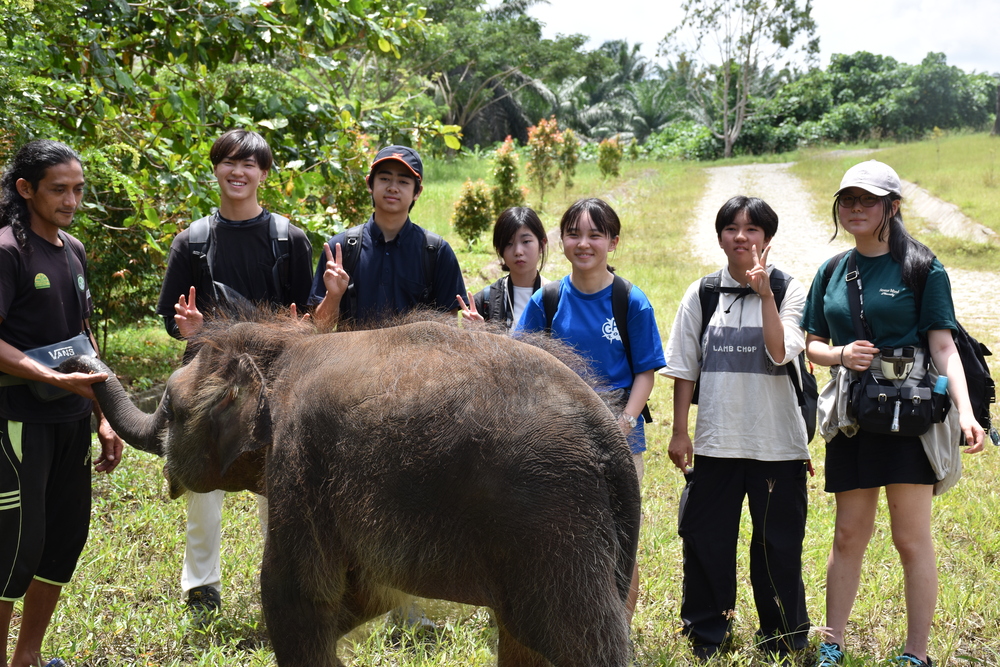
{"type": "Point", "coordinates": [868, 201]}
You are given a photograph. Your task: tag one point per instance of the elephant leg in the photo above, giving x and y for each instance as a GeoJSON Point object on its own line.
{"type": "Point", "coordinates": [304, 628]}
{"type": "Point", "coordinates": [512, 653]}
{"type": "Point", "coordinates": [572, 623]}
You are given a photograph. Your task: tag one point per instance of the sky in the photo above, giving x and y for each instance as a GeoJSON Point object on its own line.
{"type": "Point", "coordinates": [966, 31]}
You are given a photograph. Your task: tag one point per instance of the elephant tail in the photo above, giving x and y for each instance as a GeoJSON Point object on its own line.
{"type": "Point", "coordinates": [623, 491]}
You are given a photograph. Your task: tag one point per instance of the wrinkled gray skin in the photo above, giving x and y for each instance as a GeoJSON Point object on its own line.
{"type": "Point", "coordinates": [420, 459]}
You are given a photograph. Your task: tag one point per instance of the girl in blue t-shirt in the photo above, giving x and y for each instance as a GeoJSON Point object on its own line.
{"type": "Point", "coordinates": [906, 302]}
{"type": "Point", "coordinates": [584, 318]}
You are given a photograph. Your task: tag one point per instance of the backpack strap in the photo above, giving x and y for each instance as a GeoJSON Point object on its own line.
{"type": "Point", "coordinates": [350, 254]}
{"type": "Point", "coordinates": [620, 291]}
{"type": "Point", "coordinates": [199, 234]}
{"type": "Point", "coordinates": [432, 243]}
{"type": "Point", "coordinates": [280, 246]}
{"type": "Point", "coordinates": [708, 296]}
{"type": "Point", "coordinates": [550, 302]}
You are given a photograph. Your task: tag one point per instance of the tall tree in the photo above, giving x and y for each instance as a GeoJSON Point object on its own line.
{"type": "Point", "coordinates": [749, 36]}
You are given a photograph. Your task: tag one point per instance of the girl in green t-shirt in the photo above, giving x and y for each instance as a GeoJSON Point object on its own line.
{"type": "Point", "coordinates": [891, 264]}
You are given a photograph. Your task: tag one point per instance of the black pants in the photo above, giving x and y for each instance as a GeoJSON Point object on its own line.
{"type": "Point", "coordinates": [709, 524]}
{"type": "Point", "coordinates": [44, 502]}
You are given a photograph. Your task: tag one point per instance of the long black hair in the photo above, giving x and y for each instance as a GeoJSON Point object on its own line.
{"type": "Point", "coordinates": [30, 163]}
{"type": "Point", "coordinates": [911, 254]}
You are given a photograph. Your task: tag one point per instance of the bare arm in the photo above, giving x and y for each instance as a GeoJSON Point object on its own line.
{"type": "Point", "coordinates": [681, 449]}
{"type": "Point", "coordinates": [856, 356]}
{"type": "Point", "coordinates": [949, 363]}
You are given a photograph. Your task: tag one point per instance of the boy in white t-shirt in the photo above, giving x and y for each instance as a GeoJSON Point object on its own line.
{"type": "Point", "coordinates": [750, 440]}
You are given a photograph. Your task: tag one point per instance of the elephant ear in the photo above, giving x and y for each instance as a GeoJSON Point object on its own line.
{"type": "Point", "coordinates": [241, 420]}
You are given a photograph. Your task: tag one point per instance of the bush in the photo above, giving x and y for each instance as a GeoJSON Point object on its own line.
{"type": "Point", "coordinates": [473, 213]}
{"type": "Point", "coordinates": [569, 157]}
{"type": "Point", "coordinates": [506, 191]}
{"type": "Point", "coordinates": [686, 140]}
{"type": "Point", "coordinates": [609, 157]}
{"type": "Point", "coordinates": [544, 146]}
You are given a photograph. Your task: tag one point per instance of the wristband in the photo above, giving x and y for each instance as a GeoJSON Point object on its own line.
{"type": "Point", "coordinates": [842, 348]}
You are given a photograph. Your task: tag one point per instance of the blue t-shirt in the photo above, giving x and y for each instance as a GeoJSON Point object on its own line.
{"type": "Point", "coordinates": [586, 322]}
{"type": "Point", "coordinates": [889, 306]}
{"type": "Point", "coordinates": [389, 276]}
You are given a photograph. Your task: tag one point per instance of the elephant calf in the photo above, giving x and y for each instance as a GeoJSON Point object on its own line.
{"type": "Point", "coordinates": [422, 458]}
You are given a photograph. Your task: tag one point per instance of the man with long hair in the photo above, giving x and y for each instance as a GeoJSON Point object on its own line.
{"type": "Point", "coordinates": [44, 414]}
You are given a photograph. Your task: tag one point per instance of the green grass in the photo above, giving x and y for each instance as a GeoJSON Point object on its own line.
{"type": "Point", "coordinates": [124, 607]}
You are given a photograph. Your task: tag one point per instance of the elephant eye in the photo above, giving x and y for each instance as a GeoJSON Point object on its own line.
{"type": "Point", "coordinates": [168, 410]}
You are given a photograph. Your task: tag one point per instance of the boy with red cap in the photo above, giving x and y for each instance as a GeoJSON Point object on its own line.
{"type": "Point", "coordinates": [389, 265]}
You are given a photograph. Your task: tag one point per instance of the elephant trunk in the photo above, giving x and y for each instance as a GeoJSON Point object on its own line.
{"type": "Point", "coordinates": [137, 428]}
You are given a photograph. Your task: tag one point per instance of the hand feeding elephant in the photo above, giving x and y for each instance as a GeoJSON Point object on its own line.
{"type": "Point", "coordinates": [400, 459]}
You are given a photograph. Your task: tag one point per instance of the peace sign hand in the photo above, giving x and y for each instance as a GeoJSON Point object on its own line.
{"type": "Point", "coordinates": [335, 278]}
{"type": "Point", "coordinates": [757, 276]}
{"type": "Point", "coordinates": [469, 311]}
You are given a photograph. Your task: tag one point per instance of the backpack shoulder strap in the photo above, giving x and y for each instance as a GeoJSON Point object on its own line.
{"type": "Point", "coordinates": [779, 285]}
{"type": "Point", "coordinates": [280, 246]}
{"type": "Point", "coordinates": [620, 291]}
{"type": "Point", "coordinates": [350, 253]}
{"type": "Point", "coordinates": [550, 302]}
{"type": "Point", "coordinates": [831, 266]}
{"type": "Point", "coordinates": [352, 249]}
{"type": "Point", "coordinates": [199, 234]}
{"type": "Point", "coordinates": [432, 243]}
{"type": "Point", "coordinates": [708, 296]}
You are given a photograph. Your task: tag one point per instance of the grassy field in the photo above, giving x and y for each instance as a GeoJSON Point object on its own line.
{"type": "Point", "coordinates": [124, 607]}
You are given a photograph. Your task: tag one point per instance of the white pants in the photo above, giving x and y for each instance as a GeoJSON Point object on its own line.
{"type": "Point", "coordinates": [202, 552]}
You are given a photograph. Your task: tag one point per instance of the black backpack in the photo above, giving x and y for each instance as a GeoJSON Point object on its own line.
{"type": "Point", "coordinates": [201, 257]}
{"type": "Point", "coordinates": [352, 252]}
{"type": "Point", "coordinates": [620, 291]}
{"type": "Point", "coordinates": [807, 392]}
{"type": "Point", "coordinates": [982, 389]}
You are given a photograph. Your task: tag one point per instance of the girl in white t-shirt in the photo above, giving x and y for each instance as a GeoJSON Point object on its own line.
{"type": "Point", "coordinates": [521, 244]}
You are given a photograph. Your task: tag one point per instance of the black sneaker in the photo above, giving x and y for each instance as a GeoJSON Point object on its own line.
{"type": "Point", "coordinates": [55, 662]}
{"type": "Point", "coordinates": [910, 660]}
{"type": "Point", "coordinates": [203, 603]}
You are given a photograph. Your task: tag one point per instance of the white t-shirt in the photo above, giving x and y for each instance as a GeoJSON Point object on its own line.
{"type": "Point", "coordinates": [747, 406]}
{"type": "Point", "coordinates": [521, 297]}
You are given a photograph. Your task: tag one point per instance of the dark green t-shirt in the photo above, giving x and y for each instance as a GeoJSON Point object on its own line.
{"type": "Point", "coordinates": [889, 305]}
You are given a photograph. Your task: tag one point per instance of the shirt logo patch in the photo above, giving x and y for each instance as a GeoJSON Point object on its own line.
{"type": "Point", "coordinates": [889, 292]}
{"type": "Point", "coordinates": [42, 281]}
{"type": "Point", "coordinates": [79, 283]}
{"type": "Point", "coordinates": [610, 330]}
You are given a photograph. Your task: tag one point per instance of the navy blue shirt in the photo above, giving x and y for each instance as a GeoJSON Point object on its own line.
{"type": "Point", "coordinates": [389, 276]}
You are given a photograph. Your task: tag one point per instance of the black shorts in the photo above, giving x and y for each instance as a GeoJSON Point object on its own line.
{"type": "Point", "coordinates": [44, 502]}
{"type": "Point", "coordinates": [869, 461]}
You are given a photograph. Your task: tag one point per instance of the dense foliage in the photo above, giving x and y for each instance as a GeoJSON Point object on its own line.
{"type": "Point", "coordinates": [142, 90]}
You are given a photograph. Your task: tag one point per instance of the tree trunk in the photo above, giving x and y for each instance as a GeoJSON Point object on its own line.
{"type": "Point", "coordinates": [996, 123]}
